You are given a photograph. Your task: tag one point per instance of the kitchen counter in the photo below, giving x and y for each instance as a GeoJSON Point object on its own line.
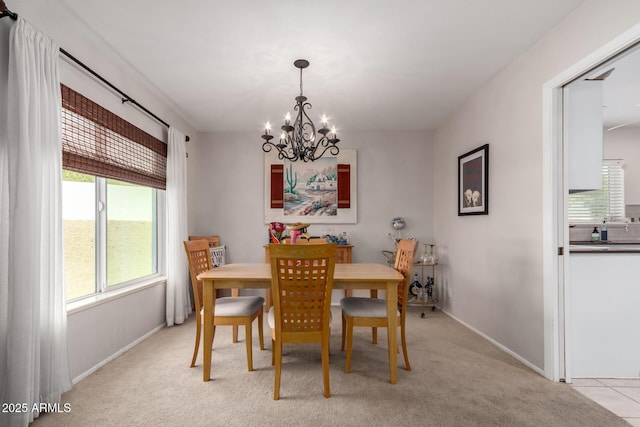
{"type": "Point", "coordinates": [606, 246]}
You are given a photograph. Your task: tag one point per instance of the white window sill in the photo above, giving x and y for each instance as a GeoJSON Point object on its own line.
{"type": "Point", "coordinates": [101, 298]}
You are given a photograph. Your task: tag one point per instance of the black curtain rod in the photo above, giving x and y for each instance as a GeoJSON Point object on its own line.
{"type": "Point", "coordinates": [125, 97]}
{"type": "Point", "coordinates": [4, 11]}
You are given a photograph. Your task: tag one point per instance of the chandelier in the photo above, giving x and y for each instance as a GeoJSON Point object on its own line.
{"type": "Point", "coordinates": [300, 140]}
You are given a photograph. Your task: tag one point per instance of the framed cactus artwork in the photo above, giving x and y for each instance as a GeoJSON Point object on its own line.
{"type": "Point", "coordinates": [322, 191]}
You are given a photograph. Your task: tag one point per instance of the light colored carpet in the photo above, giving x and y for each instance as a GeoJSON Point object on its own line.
{"type": "Point", "coordinates": [458, 379]}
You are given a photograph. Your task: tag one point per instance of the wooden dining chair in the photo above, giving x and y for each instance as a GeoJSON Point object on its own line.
{"type": "Point", "coordinates": [301, 281]}
{"type": "Point", "coordinates": [234, 311]}
{"type": "Point", "coordinates": [299, 241]}
{"type": "Point", "coordinates": [372, 312]}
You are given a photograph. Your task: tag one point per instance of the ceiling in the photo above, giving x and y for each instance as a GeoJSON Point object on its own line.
{"type": "Point", "coordinates": [621, 90]}
{"type": "Point", "coordinates": [375, 64]}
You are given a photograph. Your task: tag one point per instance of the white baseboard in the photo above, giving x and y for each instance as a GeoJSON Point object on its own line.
{"type": "Point", "coordinates": [497, 344]}
{"type": "Point", "coordinates": [115, 355]}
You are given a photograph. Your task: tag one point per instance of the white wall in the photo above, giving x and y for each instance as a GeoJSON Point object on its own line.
{"type": "Point", "coordinates": [99, 333]}
{"type": "Point", "coordinates": [493, 272]}
{"type": "Point", "coordinates": [624, 143]}
{"type": "Point", "coordinates": [395, 178]}
{"type": "Point", "coordinates": [104, 330]}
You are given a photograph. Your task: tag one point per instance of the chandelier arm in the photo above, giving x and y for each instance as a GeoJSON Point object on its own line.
{"type": "Point", "coordinates": [333, 150]}
{"type": "Point", "coordinates": [306, 124]}
{"type": "Point", "coordinates": [319, 143]}
{"type": "Point", "coordinates": [323, 142]}
{"type": "Point", "coordinates": [292, 150]}
{"type": "Point", "coordinates": [282, 153]}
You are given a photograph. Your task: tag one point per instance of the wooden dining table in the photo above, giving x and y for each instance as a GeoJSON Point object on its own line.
{"type": "Point", "coordinates": [346, 276]}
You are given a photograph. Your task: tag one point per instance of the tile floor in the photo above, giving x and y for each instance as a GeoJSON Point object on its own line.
{"type": "Point", "coordinates": [620, 396]}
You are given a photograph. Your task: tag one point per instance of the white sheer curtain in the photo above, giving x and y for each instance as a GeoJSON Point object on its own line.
{"type": "Point", "coordinates": [178, 302]}
{"type": "Point", "coordinates": [34, 367]}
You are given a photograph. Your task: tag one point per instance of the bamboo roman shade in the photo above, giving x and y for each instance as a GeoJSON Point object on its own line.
{"type": "Point", "coordinates": [97, 142]}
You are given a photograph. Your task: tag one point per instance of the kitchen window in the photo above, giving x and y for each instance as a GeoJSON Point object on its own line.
{"type": "Point", "coordinates": [607, 203]}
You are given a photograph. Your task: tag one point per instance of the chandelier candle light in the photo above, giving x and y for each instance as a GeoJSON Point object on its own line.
{"type": "Point", "coordinates": [299, 142]}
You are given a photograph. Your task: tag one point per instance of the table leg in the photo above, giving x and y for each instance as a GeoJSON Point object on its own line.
{"type": "Point", "coordinates": [392, 330]}
{"type": "Point", "coordinates": [267, 300]}
{"type": "Point", "coordinates": [374, 331]}
{"type": "Point", "coordinates": [207, 331]}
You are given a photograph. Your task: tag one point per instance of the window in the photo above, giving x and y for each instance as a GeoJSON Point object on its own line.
{"type": "Point", "coordinates": [112, 176]}
{"type": "Point", "coordinates": [131, 232]}
{"type": "Point", "coordinates": [604, 204]}
{"type": "Point", "coordinates": [79, 221]}
{"type": "Point", "coordinates": [103, 251]}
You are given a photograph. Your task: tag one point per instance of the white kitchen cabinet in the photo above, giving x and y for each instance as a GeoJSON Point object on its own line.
{"type": "Point", "coordinates": [603, 315]}
{"type": "Point", "coordinates": [583, 132]}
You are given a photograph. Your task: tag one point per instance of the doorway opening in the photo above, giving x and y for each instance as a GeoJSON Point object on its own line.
{"type": "Point", "coordinates": [559, 295]}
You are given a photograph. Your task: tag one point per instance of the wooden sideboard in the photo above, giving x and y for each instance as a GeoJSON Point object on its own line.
{"type": "Point", "coordinates": [343, 255]}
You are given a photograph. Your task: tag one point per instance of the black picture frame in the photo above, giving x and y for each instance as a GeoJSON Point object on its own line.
{"type": "Point", "coordinates": [473, 182]}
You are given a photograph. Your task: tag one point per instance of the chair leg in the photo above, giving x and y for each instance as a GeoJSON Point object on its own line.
{"type": "Point", "coordinates": [404, 348]}
{"type": "Point", "coordinates": [260, 330]}
{"type": "Point", "coordinates": [268, 303]}
{"type": "Point", "coordinates": [374, 331]}
{"type": "Point", "coordinates": [325, 364]}
{"type": "Point", "coordinates": [248, 337]}
{"type": "Point", "coordinates": [273, 352]}
{"type": "Point", "coordinates": [278, 357]}
{"type": "Point", "coordinates": [235, 334]}
{"type": "Point", "coordinates": [347, 367]}
{"type": "Point", "coordinates": [344, 331]}
{"type": "Point", "coordinates": [197, 345]}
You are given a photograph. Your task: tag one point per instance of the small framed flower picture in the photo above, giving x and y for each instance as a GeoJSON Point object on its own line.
{"type": "Point", "coordinates": [473, 182]}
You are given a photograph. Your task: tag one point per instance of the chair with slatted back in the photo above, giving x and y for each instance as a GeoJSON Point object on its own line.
{"type": "Point", "coordinates": [372, 312]}
{"type": "Point", "coordinates": [212, 240]}
{"type": "Point", "coordinates": [301, 281]}
{"type": "Point", "coordinates": [234, 311]}
{"type": "Point", "coordinates": [299, 241]}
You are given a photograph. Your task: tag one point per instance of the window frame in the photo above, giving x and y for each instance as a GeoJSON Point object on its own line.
{"type": "Point", "coordinates": [100, 285]}
{"type": "Point", "coordinates": [613, 183]}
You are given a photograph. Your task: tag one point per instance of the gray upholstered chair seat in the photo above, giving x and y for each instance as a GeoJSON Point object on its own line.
{"type": "Point", "coordinates": [372, 312]}
{"type": "Point", "coordinates": [271, 318]}
{"type": "Point", "coordinates": [237, 306]}
{"type": "Point", "coordinates": [235, 311]}
{"type": "Point", "coordinates": [364, 307]}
